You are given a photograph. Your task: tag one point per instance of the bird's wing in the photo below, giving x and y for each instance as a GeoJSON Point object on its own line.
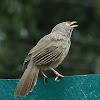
{"type": "Point", "coordinates": [47, 55]}
{"type": "Point", "coordinates": [46, 50]}
{"type": "Point", "coordinates": [35, 50]}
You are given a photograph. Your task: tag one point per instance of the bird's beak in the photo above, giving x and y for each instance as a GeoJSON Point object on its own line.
{"type": "Point", "coordinates": [73, 24]}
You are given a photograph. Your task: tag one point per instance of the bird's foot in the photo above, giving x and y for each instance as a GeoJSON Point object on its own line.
{"type": "Point", "coordinates": [58, 75]}
{"type": "Point", "coordinates": [56, 79]}
{"type": "Point", "coordinates": [45, 77]}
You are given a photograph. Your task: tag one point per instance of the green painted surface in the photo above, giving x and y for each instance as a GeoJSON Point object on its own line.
{"type": "Point", "coordinates": [85, 87]}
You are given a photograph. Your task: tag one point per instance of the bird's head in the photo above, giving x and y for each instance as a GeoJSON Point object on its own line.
{"type": "Point", "coordinates": [65, 28]}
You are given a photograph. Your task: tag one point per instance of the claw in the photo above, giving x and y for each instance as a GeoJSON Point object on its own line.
{"type": "Point", "coordinates": [58, 75]}
{"type": "Point", "coordinates": [56, 79]}
{"type": "Point", "coordinates": [45, 77]}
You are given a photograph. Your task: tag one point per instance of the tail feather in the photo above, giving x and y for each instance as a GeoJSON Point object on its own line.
{"type": "Point", "coordinates": [27, 81]}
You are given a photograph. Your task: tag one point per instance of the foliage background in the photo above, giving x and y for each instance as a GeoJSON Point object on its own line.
{"type": "Point", "coordinates": [24, 22]}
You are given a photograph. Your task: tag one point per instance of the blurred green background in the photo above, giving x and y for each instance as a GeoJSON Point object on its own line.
{"type": "Point", "coordinates": [24, 22]}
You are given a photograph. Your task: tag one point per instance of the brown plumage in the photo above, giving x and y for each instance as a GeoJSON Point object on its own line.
{"type": "Point", "coordinates": [49, 52]}
{"type": "Point", "coordinates": [27, 81]}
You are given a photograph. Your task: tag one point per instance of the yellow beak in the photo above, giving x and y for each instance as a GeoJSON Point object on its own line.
{"type": "Point", "coordinates": [72, 24]}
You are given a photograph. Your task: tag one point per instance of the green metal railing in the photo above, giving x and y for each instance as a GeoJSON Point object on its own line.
{"type": "Point", "coordinates": [86, 87]}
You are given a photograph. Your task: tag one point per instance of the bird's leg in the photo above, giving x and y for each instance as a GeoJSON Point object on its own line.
{"type": "Point", "coordinates": [45, 77]}
{"type": "Point", "coordinates": [58, 75]}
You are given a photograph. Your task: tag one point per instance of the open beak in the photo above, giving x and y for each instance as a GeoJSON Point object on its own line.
{"type": "Point", "coordinates": [73, 24]}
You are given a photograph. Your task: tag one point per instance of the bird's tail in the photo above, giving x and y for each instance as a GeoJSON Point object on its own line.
{"type": "Point", "coordinates": [27, 81]}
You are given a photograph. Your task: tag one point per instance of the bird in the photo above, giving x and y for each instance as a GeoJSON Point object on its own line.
{"type": "Point", "coordinates": [48, 53]}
